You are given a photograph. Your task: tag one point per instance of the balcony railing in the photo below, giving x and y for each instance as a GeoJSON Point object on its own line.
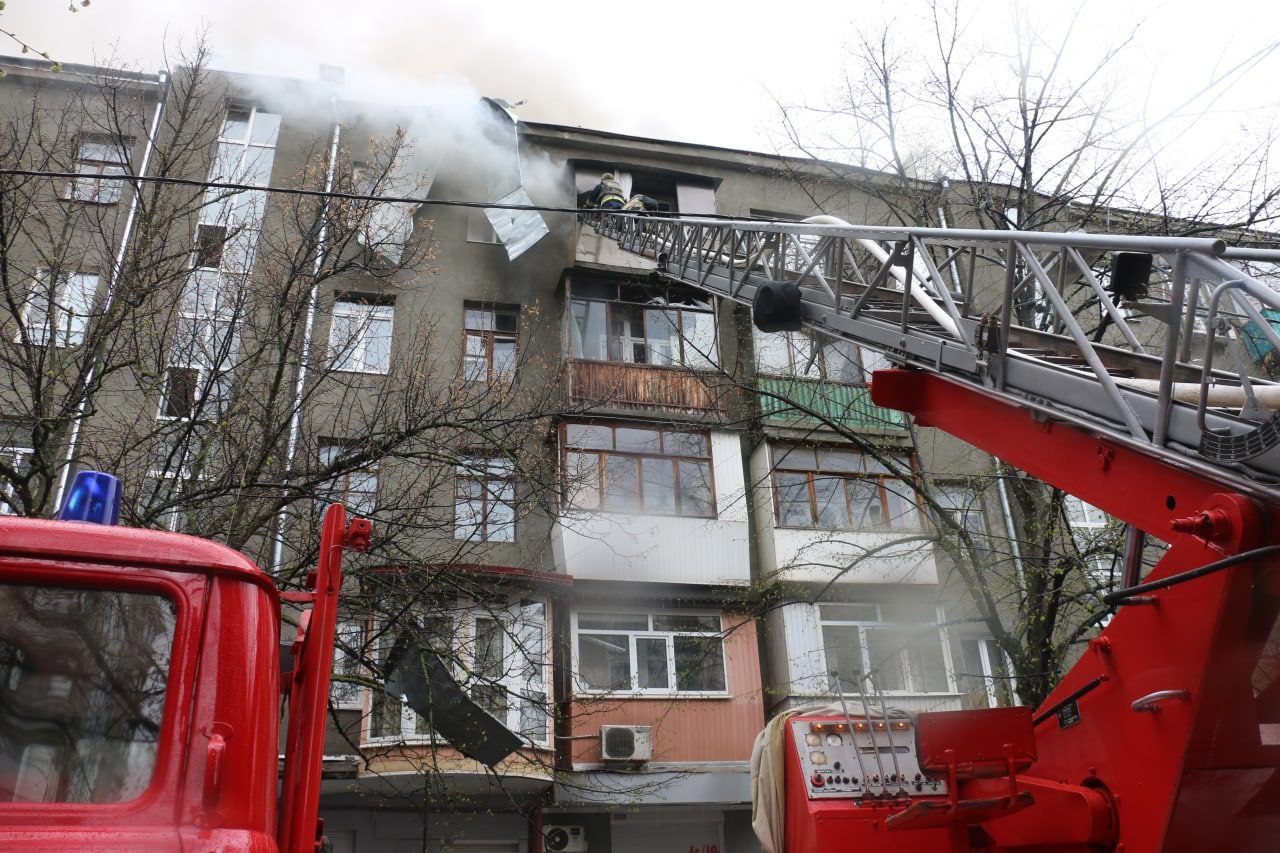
{"type": "Point", "coordinates": [808, 402]}
{"type": "Point", "coordinates": [640, 387]}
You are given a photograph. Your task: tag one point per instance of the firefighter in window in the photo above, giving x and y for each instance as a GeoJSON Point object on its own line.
{"type": "Point", "coordinates": [607, 195]}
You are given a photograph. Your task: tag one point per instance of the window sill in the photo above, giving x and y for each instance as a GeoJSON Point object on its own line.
{"type": "Point", "coordinates": [431, 740]}
{"type": "Point", "coordinates": [87, 201]}
{"type": "Point", "coordinates": [357, 372]}
{"type": "Point", "coordinates": [644, 365]}
{"type": "Point", "coordinates": [664, 695]}
{"type": "Point", "coordinates": [636, 513]}
{"type": "Point", "coordinates": [904, 531]}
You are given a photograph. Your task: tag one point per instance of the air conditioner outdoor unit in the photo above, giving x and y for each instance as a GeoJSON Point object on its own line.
{"type": "Point", "coordinates": [564, 839]}
{"type": "Point", "coordinates": [625, 743]}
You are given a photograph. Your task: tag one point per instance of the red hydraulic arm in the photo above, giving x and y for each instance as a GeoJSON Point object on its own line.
{"type": "Point", "coordinates": [1165, 736]}
{"type": "Point", "coordinates": [300, 831]}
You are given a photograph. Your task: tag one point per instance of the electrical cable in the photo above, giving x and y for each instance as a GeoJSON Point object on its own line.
{"type": "Point", "coordinates": [388, 199]}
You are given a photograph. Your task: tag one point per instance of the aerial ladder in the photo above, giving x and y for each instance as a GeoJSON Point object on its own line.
{"type": "Point", "coordinates": [1165, 735]}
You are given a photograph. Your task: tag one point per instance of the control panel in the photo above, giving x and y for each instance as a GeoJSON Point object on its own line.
{"type": "Point", "coordinates": [860, 757]}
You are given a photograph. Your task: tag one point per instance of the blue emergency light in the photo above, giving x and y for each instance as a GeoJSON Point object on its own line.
{"type": "Point", "coordinates": [94, 497]}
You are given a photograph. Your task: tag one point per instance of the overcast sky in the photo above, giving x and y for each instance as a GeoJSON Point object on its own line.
{"type": "Point", "coordinates": [692, 70]}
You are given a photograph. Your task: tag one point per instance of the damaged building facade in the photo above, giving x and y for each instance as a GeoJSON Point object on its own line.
{"type": "Point", "coordinates": [675, 541]}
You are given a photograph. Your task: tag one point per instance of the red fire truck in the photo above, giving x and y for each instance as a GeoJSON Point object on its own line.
{"type": "Point", "coordinates": [139, 674]}
{"type": "Point", "coordinates": [140, 686]}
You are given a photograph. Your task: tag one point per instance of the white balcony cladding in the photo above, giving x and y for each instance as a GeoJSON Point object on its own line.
{"type": "Point", "coordinates": [598, 544]}
{"type": "Point", "coordinates": [840, 556]}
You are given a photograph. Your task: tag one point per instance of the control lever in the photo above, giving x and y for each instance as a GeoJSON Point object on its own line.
{"type": "Point", "coordinates": [853, 737]}
{"type": "Point", "coordinates": [875, 749]}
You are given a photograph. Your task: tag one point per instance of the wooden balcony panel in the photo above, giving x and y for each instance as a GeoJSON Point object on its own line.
{"type": "Point", "coordinates": [641, 387]}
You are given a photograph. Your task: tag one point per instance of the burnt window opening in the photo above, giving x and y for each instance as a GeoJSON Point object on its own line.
{"type": "Point", "coordinates": [660, 188]}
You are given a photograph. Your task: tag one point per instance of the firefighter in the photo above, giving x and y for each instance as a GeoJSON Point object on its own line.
{"type": "Point", "coordinates": [607, 194]}
{"type": "Point", "coordinates": [642, 203]}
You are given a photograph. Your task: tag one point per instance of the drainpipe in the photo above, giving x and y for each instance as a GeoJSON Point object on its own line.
{"type": "Point", "coordinates": [117, 266]}
{"type": "Point", "coordinates": [942, 220]}
{"type": "Point", "coordinates": [295, 420]}
{"type": "Point", "coordinates": [1007, 512]}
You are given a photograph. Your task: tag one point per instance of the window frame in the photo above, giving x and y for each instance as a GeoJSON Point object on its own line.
{"type": "Point", "coordinates": [578, 688]}
{"type": "Point", "coordinates": [63, 337]}
{"type": "Point", "coordinates": [1086, 522]}
{"type": "Point", "coordinates": [465, 645]}
{"type": "Point", "coordinates": [351, 306]}
{"type": "Point", "coordinates": [938, 631]}
{"type": "Point", "coordinates": [19, 455]}
{"type": "Point", "coordinates": [491, 337]}
{"type": "Point", "coordinates": [176, 692]}
{"type": "Point", "coordinates": [347, 664]}
{"type": "Point", "coordinates": [98, 172]}
{"type": "Point", "coordinates": [882, 490]}
{"type": "Point", "coordinates": [638, 457]}
{"type": "Point", "coordinates": [795, 370]}
{"type": "Point", "coordinates": [480, 472]}
{"type": "Point", "coordinates": [328, 493]}
{"type": "Point", "coordinates": [681, 362]}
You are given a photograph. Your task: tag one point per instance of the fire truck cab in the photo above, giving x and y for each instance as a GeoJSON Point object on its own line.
{"type": "Point", "coordinates": [140, 692]}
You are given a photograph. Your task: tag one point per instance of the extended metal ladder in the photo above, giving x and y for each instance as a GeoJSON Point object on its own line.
{"type": "Point", "coordinates": [884, 288]}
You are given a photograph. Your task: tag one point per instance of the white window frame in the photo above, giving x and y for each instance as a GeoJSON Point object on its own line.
{"type": "Point", "coordinates": [53, 327]}
{"type": "Point", "coordinates": [18, 455]}
{"type": "Point", "coordinates": [344, 695]}
{"type": "Point", "coordinates": [864, 648]}
{"type": "Point", "coordinates": [580, 689]}
{"type": "Point", "coordinates": [465, 644]}
{"type": "Point", "coordinates": [173, 520]}
{"type": "Point", "coordinates": [1086, 521]}
{"type": "Point", "coordinates": [819, 370]}
{"type": "Point", "coordinates": [988, 654]}
{"type": "Point", "coordinates": [349, 356]}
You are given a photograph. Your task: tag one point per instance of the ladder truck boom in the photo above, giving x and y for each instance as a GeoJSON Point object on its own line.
{"type": "Point", "coordinates": [1165, 735]}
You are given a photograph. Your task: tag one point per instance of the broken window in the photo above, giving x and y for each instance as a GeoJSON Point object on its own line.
{"type": "Point", "coordinates": [642, 325]}
{"type": "Point", "coordinates": [210, 240]}
{"type": "Point", "coordinates": [180, 391]}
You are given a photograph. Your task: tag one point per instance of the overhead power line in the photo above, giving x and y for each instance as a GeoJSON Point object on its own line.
{"type": "Point", "coordinates": [334, 194]}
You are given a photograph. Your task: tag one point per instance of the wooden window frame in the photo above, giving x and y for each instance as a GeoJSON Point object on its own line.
{"type": "Point", "coordinates": [680, 363]}
{"type": "Point", "coordinates": [490, 337]}
{"type": "Point", "coordinates": [95, 172]}
{"type": "Point", "coordinates": [882, 492]}
{"type": "Point", "coordinates": [638, 456]}
{"type": "Point", "coordinates": [471, 474]}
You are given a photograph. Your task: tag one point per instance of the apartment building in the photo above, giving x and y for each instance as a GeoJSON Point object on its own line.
{"type": "Point", "coordinates": [630, 525]}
